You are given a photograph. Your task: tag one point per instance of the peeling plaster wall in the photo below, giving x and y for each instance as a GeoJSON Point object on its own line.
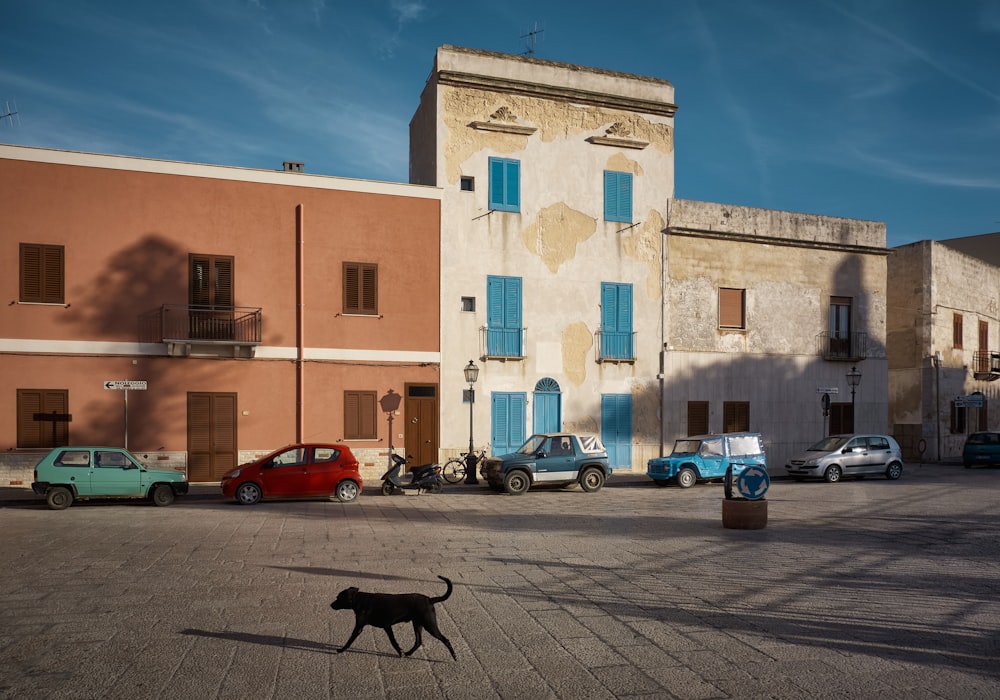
{"type": "Point", "coordinates": [789, 265]}
{"type": "Point", "coordinates": [559, 243]}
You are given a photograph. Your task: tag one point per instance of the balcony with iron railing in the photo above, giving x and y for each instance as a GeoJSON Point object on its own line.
{"type": "Point", "coordinates": [986, 365]}
{"type": "Point", "coordinates": [502, 343]}
{"type": "Point", "coordinates": [615, 346]}
{"type": "Point", "coordinates": [185, 328]}
{"type": "Point", "coordinates": [847, 347]}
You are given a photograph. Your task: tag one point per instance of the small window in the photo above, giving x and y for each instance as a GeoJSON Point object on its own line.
{"type": "Point", "coordinates": [732, 308]}
{"type": "Point", "coordinates": [958, 418]}
{"type": "Point", "coordinates": [360, 410]}
{"type": "Point", "coordinates": [617, 196]}
{"type": "Point", "coordinates": [697, 418]}
{"type": "Point", "coordinates": [736, 417]}
{"type": "Point", "coordinates": [42, 274]}
{"type": "Point", "coordinates": [33, 428]}
{"type": "Point", "coordinates": [468, 304]}
{"type": "Point", "coordinates": [505, 184]}
{"type": "Point", "coordinates": [360, 288]}
{"type": "Point", "coordinates": [467, 184]}
{"type": "Point", "coordinates": [956, 331]}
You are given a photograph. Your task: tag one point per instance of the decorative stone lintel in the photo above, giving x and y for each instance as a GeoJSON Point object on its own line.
{"type": "Point", "coordinates": [504, 127]}
{"type": "Point", "coordinates": [617, 142]}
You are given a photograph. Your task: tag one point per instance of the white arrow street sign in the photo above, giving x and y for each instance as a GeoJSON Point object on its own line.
{"type": "Point", "coordinates": [125, 384]}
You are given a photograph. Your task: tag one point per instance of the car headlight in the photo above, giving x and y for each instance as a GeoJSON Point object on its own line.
{"type": "Point", "coordinates": [232, 475]}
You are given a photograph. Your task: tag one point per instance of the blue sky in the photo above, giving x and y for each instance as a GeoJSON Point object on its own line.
{"type": "Point", "coordinates": [873, 109]}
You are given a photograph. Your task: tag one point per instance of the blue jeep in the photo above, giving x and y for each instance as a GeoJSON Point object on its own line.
{"type": "Point", "coordinates": [704, 457]}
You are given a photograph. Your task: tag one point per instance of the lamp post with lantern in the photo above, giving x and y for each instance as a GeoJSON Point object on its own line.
{"type": "Point", "coordinates": [853, 379]}
{"type": "Point", "coordinates": [471, 375]}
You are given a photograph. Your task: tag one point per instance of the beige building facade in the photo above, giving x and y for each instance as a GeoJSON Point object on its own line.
{"type": "Point", "coordinates": [944, 346]}
{"type": "Point", "coordinates": [726, 310]}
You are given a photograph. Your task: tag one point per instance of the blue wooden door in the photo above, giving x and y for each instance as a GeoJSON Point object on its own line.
{"type": "Point", "coordinates": [508, 421]}
{"type": "Point", "coordinates": [547, 412]}
{"type": "Point", "coordinates": [616, 429]}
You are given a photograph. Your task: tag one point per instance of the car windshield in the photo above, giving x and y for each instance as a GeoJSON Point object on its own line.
{"type": "Point", "coordinates": [829, 444]}
{"type": "Point", "coordinates": [532, 445]}
{"type": "Point", "coordinates": [686, 447]}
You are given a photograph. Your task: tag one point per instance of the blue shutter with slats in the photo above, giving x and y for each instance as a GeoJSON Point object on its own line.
{"type": "Point", "coordinates": [616, 429]}
{"type": "Point", "coordinates": [505, 184]}
{"type": "Point", "coordinates": [503, 316]}
{"type": "Point", "coordinates": [617, 196]}
{"type": "Point", "coordinates": [616, 321]}
{"type": "Point", "coordinates": [507, 421]}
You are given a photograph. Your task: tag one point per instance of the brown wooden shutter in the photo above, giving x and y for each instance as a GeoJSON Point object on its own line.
{"type": "Point", "coordinates": [697, 417]}
{"type": "Point", "coordinates": [984, 336]}
{"type": "Point", "coordinates": [212, 280]}
{"type": "Point", "coordinates": [956, 331]}
{"type": "Point", "coordinates": [359, 415]}
{"type": "Point", "coordinates": [735, 416]}
{"type": "Point", "coordinates": [223, 282]}
{"type": "Point", "coordinates": [360, 288]}
{"type": "Point", "coordinates": [731, 308]}
{"type": "Point", "coordinates": [42, 275]}
{"type": "Point", "coordinates": [32, 433]}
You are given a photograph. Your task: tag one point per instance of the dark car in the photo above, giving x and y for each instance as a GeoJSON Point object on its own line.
{"type": "Point", "coordinates": [296, 471]}
{"type": "Point", "coordinates": [981, 449]}
{"type": "Point", "coordinates": [556, 459]}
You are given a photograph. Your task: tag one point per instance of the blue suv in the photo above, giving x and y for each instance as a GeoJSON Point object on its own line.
{"type": "Point", "coordinates": [704, 457]}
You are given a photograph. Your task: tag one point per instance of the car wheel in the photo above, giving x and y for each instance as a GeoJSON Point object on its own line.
{"type": "Point", "coordinates": [894, 471]}
{"type": "Point", "coordinates": [832, 474]}
{"type": "Point", "coordinates": [592, 480]}
{"type": "Point", "coordinates": [248, 494]}
{"type": "Point", "coordinates": [516, 483]}
{"type": "Point", "coordinates": [59, 498]}
{"type": "Point", "coordinates": [686, 478]}
{"type": "Point", "coordinates": [347, 491]}
{"type": "Point", "coordinates": [387, 488]}
{"type": "Point", "coordinates": [163, 495]}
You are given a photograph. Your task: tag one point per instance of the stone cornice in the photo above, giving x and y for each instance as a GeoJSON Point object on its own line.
{"type": "Point", "coordinates": [774, 240]}
{"type": "Point", "coordinates": [529, 89]}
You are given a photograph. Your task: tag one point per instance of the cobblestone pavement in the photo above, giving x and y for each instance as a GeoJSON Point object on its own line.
{"type": "Point", "coordinates": [862, 589]}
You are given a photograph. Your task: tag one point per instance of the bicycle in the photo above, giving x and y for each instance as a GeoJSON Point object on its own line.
{"type": "Point", "coordinates": [455, 468]}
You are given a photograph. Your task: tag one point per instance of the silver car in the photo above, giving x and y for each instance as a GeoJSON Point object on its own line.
{"type": "Point", "coordinates": [848, 455]}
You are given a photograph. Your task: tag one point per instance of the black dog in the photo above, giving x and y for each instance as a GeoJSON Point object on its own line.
{"type": "Point", "coordinates": [386, 609]}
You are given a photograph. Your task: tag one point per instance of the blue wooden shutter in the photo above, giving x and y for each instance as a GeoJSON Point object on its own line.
{"type": "Point", "coordinates": [616, 321]}
{"type": "Point", "coordinates": [503, 316]}
{"type": "Point", "coordinates": [507, 421]}
{"type": "Point", "coordinates": [496, 183]}
{"type": "Point", "coordinates": [512, 186]}
{"type": "Point", "coordinates": [617, 196]}
{"type": "Point", "coordinates": [616, 429]}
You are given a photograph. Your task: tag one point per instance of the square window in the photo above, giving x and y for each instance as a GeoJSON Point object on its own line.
{"type": "Point", "coordinates": [468, 303]}
{"type": "Point", "coordinates": [467, 184]}
{"type": "Point", "coordinates": [360, 415]}
{"type": "Point", "coordinates": [361, 289]}
{"type": "Point", "coordinates": [42, 274]}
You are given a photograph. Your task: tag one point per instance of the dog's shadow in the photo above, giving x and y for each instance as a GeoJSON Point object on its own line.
{"type": "Point", "coordinates": [276, 641]}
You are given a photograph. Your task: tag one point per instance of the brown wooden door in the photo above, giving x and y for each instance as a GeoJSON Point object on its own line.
{"type": "Point", "coordinates": [211, 435]}
{"type": "Point", "coordinates": [421, 415]}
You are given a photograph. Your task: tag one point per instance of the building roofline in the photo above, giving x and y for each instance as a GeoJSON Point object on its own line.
{"type": "Point", "coordinates": [215, 172]}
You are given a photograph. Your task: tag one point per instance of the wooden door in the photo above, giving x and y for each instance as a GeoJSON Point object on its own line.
{"type": "Point", "coordinates": [211, 435]}
{"type": "Point", "coordinates": [421, 416]}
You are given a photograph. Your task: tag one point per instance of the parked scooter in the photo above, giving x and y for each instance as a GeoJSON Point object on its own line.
{"type": "Point", "coordinates": [426, 477]}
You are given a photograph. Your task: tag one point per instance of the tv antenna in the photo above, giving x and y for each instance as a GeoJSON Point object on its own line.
{"type": "Point", "coordinates": [530, 37]}
{"type": "Point", "coordinates": [9, 114]}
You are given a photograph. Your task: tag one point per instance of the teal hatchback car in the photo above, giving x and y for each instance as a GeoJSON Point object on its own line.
{"type": "Point", "coordinates": [69, 473]}
{"type": "Point", "coordinates": [981, 449]}
{"type": "Point", "coordinates": [707, 457]}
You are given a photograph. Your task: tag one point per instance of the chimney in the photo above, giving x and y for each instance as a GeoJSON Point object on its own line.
{"type": "Point", "coordinates": [293, 167]}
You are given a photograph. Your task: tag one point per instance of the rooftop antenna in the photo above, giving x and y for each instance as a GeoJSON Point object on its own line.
{"type": "Point", "coordinates": [9, 114]}
{"type": "Point", "coordinates": [531, 36]}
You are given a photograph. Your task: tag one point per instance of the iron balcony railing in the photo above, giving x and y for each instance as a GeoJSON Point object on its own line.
{"type": "Point", "coordinates": [843, 347]}
{"type": "Point", "coordinates": [615, 346]}
{"type": "Point", "coordinates": [986, 365]}
{"type": "Point", "coordinates": [502, 343]}
{"type": "Point", "coordinates": [237, 325]}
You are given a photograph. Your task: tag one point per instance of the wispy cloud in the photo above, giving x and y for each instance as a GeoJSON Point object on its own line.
{"type": "Point", "coordinates": [917, 53]}
{"type": "Point", "coordinates": [928, 174]}
{"type": "Point", "coordinates": [404, 12]}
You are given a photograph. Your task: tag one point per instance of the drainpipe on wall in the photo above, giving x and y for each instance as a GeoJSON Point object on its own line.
{"type": "Point", "coordinates": [663, 326]}
{"type": "Point", "coordinates": [299, 322]}
{"type": "Point", "coordinates": [938, 357]}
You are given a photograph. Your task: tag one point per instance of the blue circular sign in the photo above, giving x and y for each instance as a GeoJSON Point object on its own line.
{"type": "Point", "coordinates": [753, 483]}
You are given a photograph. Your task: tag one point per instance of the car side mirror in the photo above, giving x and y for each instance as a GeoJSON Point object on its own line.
{"type": "Point", "coordinates": [540, 454]}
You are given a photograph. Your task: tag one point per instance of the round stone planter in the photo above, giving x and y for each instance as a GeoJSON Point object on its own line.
{"type": "Point", "coordinates": [744, 515]}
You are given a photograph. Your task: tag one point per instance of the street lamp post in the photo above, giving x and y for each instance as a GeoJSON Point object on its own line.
{"type": "Point", "coordinates": [853, 379]}
{"type": "Point", "coordinates": [471, 375]}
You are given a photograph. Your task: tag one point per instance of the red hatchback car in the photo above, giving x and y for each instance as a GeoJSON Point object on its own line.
{"type": "Point", "coordinates": [296, 471]}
